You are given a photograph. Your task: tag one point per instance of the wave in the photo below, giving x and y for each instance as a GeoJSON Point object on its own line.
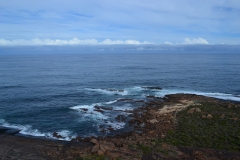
{"type": "Point", "coordinates": [64, 135]}
{"type": "Point", "coordinates": [126, 107]}
{"type": "Point", "coordinates": [109, 91]}
{"type": "Point", "coordinates": [90, 110]}
{"type": "Point", "coordinates": [105, 119]}
{"type": "Point", "coordinates": [142, 91]}
{"type": "Point", "coordinates": [91, 106]}
{"type": "Point", "coordinates": [116, 125]}
{"type": "Point", "coordinates": [223, 96]}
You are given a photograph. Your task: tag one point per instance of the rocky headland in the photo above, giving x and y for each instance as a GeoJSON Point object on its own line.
{"type": "Point", "coordinates": [179, 126]}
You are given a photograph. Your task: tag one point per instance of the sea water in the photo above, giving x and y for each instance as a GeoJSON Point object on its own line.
{"type": "Point", "coordinates": [45, 93]}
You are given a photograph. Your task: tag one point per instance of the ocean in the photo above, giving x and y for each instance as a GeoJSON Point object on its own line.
{"type": "Point", "coordinates": [45, 93]}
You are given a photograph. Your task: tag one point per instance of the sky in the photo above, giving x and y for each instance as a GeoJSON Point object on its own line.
{"type": "Point", "coordinates": [111, 22]}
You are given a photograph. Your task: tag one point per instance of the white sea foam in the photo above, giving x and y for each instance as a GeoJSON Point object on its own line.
{"type": "Point", "coordinates": [28, 130]}
{"type": "Point", "coordinates": [65, 134]}
{"type": "Point", "coordinates": [85, 106]}
{"type": "Point", "coordinates": [108, 91]}
{"type": "Point", "coordinates": [124, 107]}
{"type": "Point", "coordinates": [90, 107]}
{"type": "Point", "coordinates": [223, 96]}
{"type": "Point", "coordinates": [91, 113]}
{"type": "Point", "coordinates": [116, 125]}
{"type": "Point", "coordinates": [135, 89]}
{"type": "Point", "coordinates": [110, 102]}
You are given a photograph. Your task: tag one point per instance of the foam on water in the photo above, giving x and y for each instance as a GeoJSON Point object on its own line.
{"type": "Point", "coordinates": [124, 107]}
{"type": "Point", "coordinates": [28, 130]}
{"type": "Point", "coordinates": [110, 102]}
{"type": "Point", "coordinates": [134, 90]}
{"type": "Point", "coordinates": [91, 106]}
{"type": "Point", "coordinates": [108, 91]}
{"type": "Point", "coordinates": [107, 117]}
{"type": "Point", "coordinates": [116, 125]}
{"type": "Point", "coordinates": [91, 113]}
{"type": "Point", "coordinates": [223, 96]}
{"type": "Point", "coordinates": [66, 135]}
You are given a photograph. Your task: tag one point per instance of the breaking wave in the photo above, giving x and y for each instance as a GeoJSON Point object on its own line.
{"type": "Point", "coordinates": [109, 91]}
{"type": "Point", "coordinates": [28, 130]}
{"type": "Point", "coordinates": [223, 96]}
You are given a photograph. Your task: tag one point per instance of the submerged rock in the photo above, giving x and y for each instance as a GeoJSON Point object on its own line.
{"type": "Point", "coordinates": [99, 110]}
{"type": "Point", "coordinates": [106, 108]}
{"type": "Point", "coordinates": [55, 134]}
{"type": "Point", "coordinates": [84, 109]}
{"type": "Point", "coordinates": [124, 99]}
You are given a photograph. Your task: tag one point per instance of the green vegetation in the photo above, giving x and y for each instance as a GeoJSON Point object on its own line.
{"type": "Point", "coordinates": [215, 125]}
{"type": "Point", "coordinates": [94, 157]}
{"type": "Point", "coordinates": [222, 131]}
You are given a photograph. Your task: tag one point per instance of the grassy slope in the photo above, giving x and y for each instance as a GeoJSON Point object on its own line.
{"type": "Point", "coordinates": [219, 132]}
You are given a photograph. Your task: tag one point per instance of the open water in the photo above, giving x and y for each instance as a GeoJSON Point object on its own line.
{"type": "Point", "coordinates": [45, 93]}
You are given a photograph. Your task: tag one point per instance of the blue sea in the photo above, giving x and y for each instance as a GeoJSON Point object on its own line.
{"type": "Point", "coordinates": [45, 93]}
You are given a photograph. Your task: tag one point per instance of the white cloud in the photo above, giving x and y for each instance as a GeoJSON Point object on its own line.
{"type": "Point", "coordinates": [195, 41]}
{"type": "Point", "coordinates": [74, 41]}
{"type": "Point", "coordinates": [109, 41]}
{"type": "Point", "coordinates": [167, 42]}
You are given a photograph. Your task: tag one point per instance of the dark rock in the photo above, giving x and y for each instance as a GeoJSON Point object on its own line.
{"type": "Point", "coordinates": [86, 139]}
{"type": "Point", "coordinates": [105, 107]}
{"type": "Point", "coordinates": [84, 109]}
{"type": "Point", "coordinates": [78, 138]}
{"type": "Point", "coordinates": [93, 140]}
{"type": "Point", "coordinates": [97, 107]}
{"type": "Point", "coordinates": [3, 129]}
{"type": "Point", "coordinates": [99, 110]}
{"type": "Point", "coordinates": [124, 100]}
{"type": "Point", "coordinates": [100, 152]}
{"type": "Point", "coordinates": [150, 96]}
{"type": "Point", "coordinates": [55, 134]}
{"type": "Point", "coordinates": [121, 118]}
{"type": "Point", "coordinates": [95, 149]}
{"type": "Point", "coordinates": [12, 131]}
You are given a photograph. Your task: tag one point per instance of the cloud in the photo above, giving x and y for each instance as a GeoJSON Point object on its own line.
{"type": "Point", "coordinates": [73, 41]}
{"type": "Point", "coordinates": [168, 42]}
{"type": "Point", "coordinates": [172, 19]}
{"type": "Point", "coordinates": [109, 41]}
{"type": "Point", "coordinates": [195, 41]}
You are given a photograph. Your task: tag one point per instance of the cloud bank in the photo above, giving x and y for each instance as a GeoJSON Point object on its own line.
{"type": "Point", "coordinates": [155, 21]}
{"type": "Point", "coordinates": [195, 41]}
{"type": "Point", "coordinates": [76, 41]}
{"type": "Point", "coordinates": [73, 41]}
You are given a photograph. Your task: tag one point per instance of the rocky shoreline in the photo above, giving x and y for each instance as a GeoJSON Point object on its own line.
{"type": "Point", "coordinates": [152, 124]}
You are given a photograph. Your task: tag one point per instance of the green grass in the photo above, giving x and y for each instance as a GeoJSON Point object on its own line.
{"type": "Point", "coordinates": [218, 133]}
{"type": "Point", "coordinates": [93, 157]}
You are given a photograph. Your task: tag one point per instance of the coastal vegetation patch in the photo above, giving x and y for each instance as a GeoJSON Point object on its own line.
{"type": "Point", "coordinates": [216, 126]}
